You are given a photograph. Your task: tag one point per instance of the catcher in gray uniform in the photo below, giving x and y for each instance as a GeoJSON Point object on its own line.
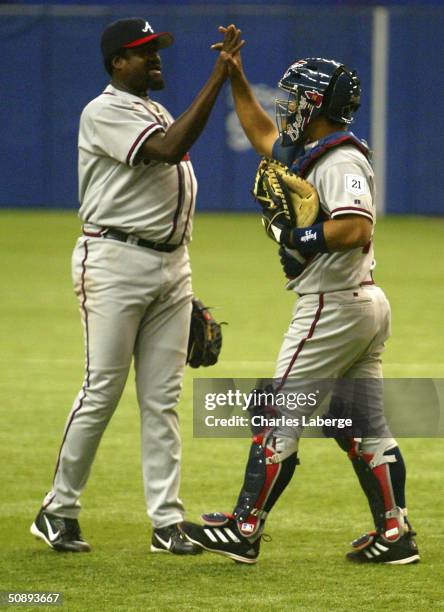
{"type": "Point", "coordinates": [340, 321]}
{"type": "Point", "coordinates": [131, 273]}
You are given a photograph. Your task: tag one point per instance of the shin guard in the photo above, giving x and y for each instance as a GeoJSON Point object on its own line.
{"type": "Point", "coordinates": [270, 467]}
{"type": "Point", "coordinates": [383, 486]}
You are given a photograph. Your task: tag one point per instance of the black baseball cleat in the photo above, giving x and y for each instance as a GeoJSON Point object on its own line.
{"type": "Point", "coordinates": [172, 540]}
{"type": "Point", "coordinates": [60, 533]}
{"type": "Point", "coordinates": [224, 540]}
{"type": "Point", "coordinates": [375, 548]}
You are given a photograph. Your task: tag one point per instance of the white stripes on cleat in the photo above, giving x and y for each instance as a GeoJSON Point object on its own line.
{"type": "Point", "coordinates": [211, 534]}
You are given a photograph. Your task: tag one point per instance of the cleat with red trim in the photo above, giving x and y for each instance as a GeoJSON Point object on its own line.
{"type": "Point", "coordinates": [375, 548]}
{"type": "Point", "coordinates": [216, 519]}
{"type": "Point", "coordinates": [224, 540]}
{"type": "Point", "coordinates": [363, 540]}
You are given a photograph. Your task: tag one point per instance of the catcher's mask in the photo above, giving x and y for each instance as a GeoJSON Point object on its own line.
{"type": "Point", "coordinates": [314, 87]}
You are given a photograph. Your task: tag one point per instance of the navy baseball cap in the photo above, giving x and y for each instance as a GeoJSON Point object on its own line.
{"type": "Point", "coordinates": [127, 33]}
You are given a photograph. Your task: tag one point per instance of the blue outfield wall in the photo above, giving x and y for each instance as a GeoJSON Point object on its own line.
{"type": "Point", "coordinates": [54, 68]}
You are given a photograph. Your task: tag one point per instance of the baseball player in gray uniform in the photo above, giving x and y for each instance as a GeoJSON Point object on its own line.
{"type": "Point", "coordinates": [132, 276]}
{"type": "Point", "coordinates": [340, 321]}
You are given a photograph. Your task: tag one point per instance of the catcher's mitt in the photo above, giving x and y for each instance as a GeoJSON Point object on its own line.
{"type": "Point", "coordinates": [205, 340]}
{"type": "Point", "coordinates": [284, 196]}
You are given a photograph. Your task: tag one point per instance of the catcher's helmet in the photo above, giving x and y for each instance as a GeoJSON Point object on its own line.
{"type": "Point", "coordinates": [316, 86]}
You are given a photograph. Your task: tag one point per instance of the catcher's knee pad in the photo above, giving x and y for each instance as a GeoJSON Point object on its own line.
{"type": "Point", "coordinates": [379, 466]}
{"type": "Point", "coordinates": [271, 464]}
{"type": "Point", "coordinates": [338, 408]}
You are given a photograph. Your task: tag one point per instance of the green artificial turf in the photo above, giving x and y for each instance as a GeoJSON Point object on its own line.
{"type": "Point", "coordinates": [303, 567]}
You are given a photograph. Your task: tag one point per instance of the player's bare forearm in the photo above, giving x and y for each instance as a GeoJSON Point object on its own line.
{"type": "Point", "coordinates": [172, 145]}
{"type": "Point", "coordinates": [348, 232]}
{"type": "Point", "coordinates": [256, 123]}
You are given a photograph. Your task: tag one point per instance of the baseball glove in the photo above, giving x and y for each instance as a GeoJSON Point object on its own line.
{"type": "Point", "coordinates": [284, 196]}
{"type": "Point", "coordinates": [205, 341]}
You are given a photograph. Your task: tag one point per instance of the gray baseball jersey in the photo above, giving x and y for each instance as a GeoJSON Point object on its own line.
{"type": "Point", "coordinates": [152, 200]}
{"type": "Point", "coordinates": [344, 180]}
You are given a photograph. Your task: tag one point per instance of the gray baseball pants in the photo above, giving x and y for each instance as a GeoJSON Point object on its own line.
{"type": "Point", "coordinates": [336, 335]}
{"type": "Point", "coordinates": [136, 302]}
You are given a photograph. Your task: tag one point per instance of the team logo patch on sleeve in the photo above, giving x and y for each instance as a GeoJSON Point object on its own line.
{"type": "Point", "coordinates": [355, 184]}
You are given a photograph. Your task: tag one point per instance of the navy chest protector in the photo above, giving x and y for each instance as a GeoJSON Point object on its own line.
{"type": "Point", "coordinates": [301, 162]}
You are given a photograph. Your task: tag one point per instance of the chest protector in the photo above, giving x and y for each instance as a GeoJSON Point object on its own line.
{"type": "Point", "coordinates": [303, 163]}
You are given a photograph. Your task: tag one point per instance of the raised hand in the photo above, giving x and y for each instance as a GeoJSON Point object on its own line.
{"type": "Point", "coordinates": [230, 47]}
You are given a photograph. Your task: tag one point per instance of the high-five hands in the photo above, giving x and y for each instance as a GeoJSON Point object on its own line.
{"type": "Point", "coordinates": [230, 46]}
